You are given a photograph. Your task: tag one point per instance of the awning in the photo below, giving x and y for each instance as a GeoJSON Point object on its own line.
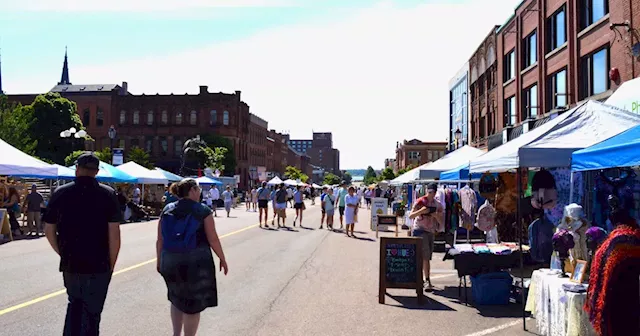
{"type": "Point", "coordinates": [618, 151]}
{"type": "Point", "coordinates": [65, 173]}
{"type": "Point", "coordinates": [170, 176]}
{"type": "Point", "coordinates": [111, 174]}
{"type": "Point", "coordinates": [14, 162]}
{"type": "Point", "coordinates": [450, 161]}
{"type": "Point", "coordinates": [144, 175]}
{"type": "Point", "coordinates": [458, 174]}
{"type": "Point", "coordinates": [204, 180]}
{"type": "Point", "coordinates": [407, 177]}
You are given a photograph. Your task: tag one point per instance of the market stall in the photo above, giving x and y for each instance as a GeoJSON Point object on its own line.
{"type": "Point", "coordinates": [275, 181]}
{"type": "Point", "coordinates": [110, 174]}
{"type": "Point", "coordinates": [14, 162]}
{"type": "Point", "coordinates": [171, 177]}
{"type": "Point", "coordinates": [142, 174]}
{"type": "Point", "coordinates": [450, 161]}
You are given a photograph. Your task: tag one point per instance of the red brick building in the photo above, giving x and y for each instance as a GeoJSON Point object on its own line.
{"type": "Point", "coordinates": [415, 152]}
{"type": "Point", "coordinates": [553, 54]}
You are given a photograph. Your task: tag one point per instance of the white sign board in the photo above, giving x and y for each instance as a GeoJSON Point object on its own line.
{"type": "Point", "coordinates": [379, 206]}
{"type": "Point", "coordinates": [118, 156]}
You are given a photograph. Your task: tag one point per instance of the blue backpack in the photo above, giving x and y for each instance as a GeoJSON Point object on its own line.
{"type": "Point", "coordinates": [178, 234]}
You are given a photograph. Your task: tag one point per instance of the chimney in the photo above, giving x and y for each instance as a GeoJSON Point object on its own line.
{"type": "Point", "coordinates": [124, 89]}
{"type": "Point", "coordinates": [238, 95]}
{"type": "Point", "coordinates": [204, 89]}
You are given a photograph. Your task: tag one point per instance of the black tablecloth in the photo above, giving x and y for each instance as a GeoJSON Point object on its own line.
{"type": "Point", "coordinates": [474, 264]}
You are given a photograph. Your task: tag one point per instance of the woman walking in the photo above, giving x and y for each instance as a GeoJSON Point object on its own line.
{"type": "Point", "coordinates": [298, 205]}
{"type": "Point", "coordinates": [328, 207]}
{"type": "Point", "coordinates": [227, 197]}
{"type": "Point", "coordinates": [351, 201]}
{"type": "Point", "coordinates": [186, 236]}
{"type": "Point", "coordinates": [12, 204]}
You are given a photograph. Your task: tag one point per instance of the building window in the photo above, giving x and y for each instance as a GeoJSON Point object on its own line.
{"type": "Point", "coordinates": [482, 126]}
{"type": "Point", "coordinates": [99, 117]}
{"type": "Point", "coordinates": [592, 11]}
{"type": "Point", "coordinates": [193, 117]}
{"type": "Point", "coordinates": [558, 89]}
{"type": "Point", "coordinates": [510, 65]}
{"type": "Point", "coordinates": [225, 118]}
{"type": "Point", "coordinates": [414, 155]}
{"type": "Point", "coordinates": [123, 117]}
{"type": "Point", "coordinates": [150, 118]}
{"type": "Point", "coordinates": [594, 73]}
{"type": "Point", "coordinates": [177, 147]}
{"type": "Point", "coordinates": [213, 117]}
{"type": "Point", "coordinates": [530, 50]}
{"type": "Point", "coordinates": [86, 117]}
{"type": "Point", "coordinates": [510, 111]}
{"type": "Point", "coordinates": [164, 117]}
{"type": "Point", "coordinates": [136, 117]}
{"type": "Point", "coordinates": [430, 155]}
{"type": "Point", "coordinates": [179, 118]}
{"type": "Point", "coordinates": [557, 27]}
{"type": "Point", "coordinates": [163, 145]}
{"type": "Point", "coordinates": [148, 145]}
{"type": "Point", "coordinates": [530, 103]}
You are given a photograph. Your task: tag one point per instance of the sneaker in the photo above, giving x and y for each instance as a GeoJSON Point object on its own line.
{"type": "Point", "coordinates": [428, 287]}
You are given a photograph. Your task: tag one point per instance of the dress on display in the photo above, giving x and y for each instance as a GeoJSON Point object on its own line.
{"type": "Point", "coordinates": [469, 204]}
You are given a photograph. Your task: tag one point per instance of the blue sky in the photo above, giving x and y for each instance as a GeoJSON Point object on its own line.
{"type": "Point", "coordinates": [372, 72]}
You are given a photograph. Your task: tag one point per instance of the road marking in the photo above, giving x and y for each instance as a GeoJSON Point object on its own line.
{"type": "Point", "coordinates": [495, 329]}
{"type": "Point", "coordinates": [62, 291]}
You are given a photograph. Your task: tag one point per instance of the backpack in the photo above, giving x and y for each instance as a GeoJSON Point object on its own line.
{"type": "Point", "coordinates": [281, 196]}
{"type": "Point", "coordinates": [178, 234]}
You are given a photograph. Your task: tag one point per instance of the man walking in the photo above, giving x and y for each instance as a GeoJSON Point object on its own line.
{"type": "Point", "coordinates": [263, 203]}
{"type": "Point", "coordinates": [83, 227]}
{"type": "Point", "coordinates": [33, 203]}
{"type": "Point", "coordinates": [215, 196]}
{"type": "Point", "coordinates": [342, 193]}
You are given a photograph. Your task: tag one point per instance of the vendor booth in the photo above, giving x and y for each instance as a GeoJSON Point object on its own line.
{"type": "Point", "coordinates": [111, 174]}
{"type": "Point", "coordinates": [142, 174]}
{"type": "Point", "coordinates": [627, 96]}
{"type": "Point", "coordinates": [14, 162]}
{"type": "Point", "coordinates": [171, 177]}
{"type": "Point", "coordinates": [450, 161]}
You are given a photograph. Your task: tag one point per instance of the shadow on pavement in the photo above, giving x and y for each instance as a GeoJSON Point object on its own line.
{"type": "Point", "coordinates": [365, 239]}
{"type": "Point", "coordinates": [288, 229]}
{"type": "Point", "coordinates": [307, 228]}
{"type": "Point", "coordinates": [268, 228]}
{"type": "Point", "coordinates": [411, 302]}
{"type": "Point", "coordinates": [496, 311]}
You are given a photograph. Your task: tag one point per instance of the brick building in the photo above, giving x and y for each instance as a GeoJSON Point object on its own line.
{"type": "Point", "coordinates": [415, 152]}
{"type": "Point", "coordinates": [554, 54]}
{"type": "Point", "coordinates": [320, 150]}
{"type": "Point", "coordinates": [258, 129]}
{"type": "Point", "coordinates": [390, 163]}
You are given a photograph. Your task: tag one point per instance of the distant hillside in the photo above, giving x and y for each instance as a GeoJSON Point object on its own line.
{"type": "Point", "coordinates": [359, 172]}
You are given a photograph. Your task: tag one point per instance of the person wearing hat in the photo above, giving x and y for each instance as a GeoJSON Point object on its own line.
{"type": "Point", "coordinates": [82, 224]}
{"type": "Point", "coordinates": [33, 204]}
{"type": "Point", "coordinates": [427, 216]}
{"type": "Point", "coordinates": [342, 193]}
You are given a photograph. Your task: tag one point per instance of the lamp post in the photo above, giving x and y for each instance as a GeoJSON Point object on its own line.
{"type": "Point", "coordinates": [457, 134]}
{"type": "Point", "coordinates": [112, 135]}
{"type": "Point", "coordinates": [71, 133]}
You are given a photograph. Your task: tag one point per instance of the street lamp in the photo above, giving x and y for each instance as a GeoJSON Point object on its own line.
{"type": "Point", "coordinates": [112, 135]}
{"type": "Point", "coordinates": [457, 134]}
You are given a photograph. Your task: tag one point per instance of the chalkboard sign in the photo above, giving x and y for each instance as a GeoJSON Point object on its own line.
{"type": "Point", "coordinates": [400, 265]}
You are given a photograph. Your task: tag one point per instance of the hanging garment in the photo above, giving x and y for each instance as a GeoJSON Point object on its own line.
{"type": "Point", "coordinates": [455, 209]}
{"type": "Point", "coordinates": [486, 217]}
{"type": "Point", "coordinates": [543, 188]}
{"type": "Point", "coordinates": [492, 236]}
{"type": "Point", "coordinates": [624, 189]}
{"type": "Point", "coordinates": [469, 204]}
{"type": "Point", "coordinates": [540, 236]}
{"type": "Point", "coordinates": [440, 197]}
{"type": "Point", "coordinates": [447, 210]}
{"type": "Point", "coordinates": [506, 193]}
{"type": "Point", "coordinates": [487, 186]}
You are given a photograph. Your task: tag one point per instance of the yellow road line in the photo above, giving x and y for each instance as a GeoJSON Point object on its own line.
{"type": "Point", "coordinates": [62, 291]}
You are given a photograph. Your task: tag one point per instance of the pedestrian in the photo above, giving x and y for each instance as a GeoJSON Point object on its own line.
{"type": "Point", "coordinates": [322, 206]}
{"type": "Point", "coordinates": [342, 193]}
{"type": "Point", "coordinates": [290, 196]}
{"type": "Point", "coordinates": [136, 195]}
{"type": "Point", "coordinates": [247, 199]}
{"type": "Point", "coordinates": [351, 211]}
{"type": "Point", "coordinates": [33, 204]}
{"type": "Point", "coordinates": [206, 198]}
{"type": "Point", "coordinates": [298, 205]}
{"type": "Point", "coordinates": [312, 195]}
{"type": "Point", "coordinates": [82, 224]}
{"type": "Point", "coordinates": [254, 199]}
{"type": "Point", "coordinates": [281, 204]}
{"type": "Point", "coordinates": [328, 208]}
{"type": "Point", "coordinates": [263, 203]}
{"type": "Point", "coordinates": [427, 213]}
{"type": "Point", "coordinates": [186, 236]}
{"type": "Point", "coordinates": [367, 197]}
{"type": "Point", "coordinates": [12, 204]}
{"type": "Point", "coordinates": [170, 194]}
{"type": "Point", "coordinates": [227, 197]}
{"type": "Point", "coordinates": [215, 197]}
{"type": "Point", "coordinates": [359, 193]}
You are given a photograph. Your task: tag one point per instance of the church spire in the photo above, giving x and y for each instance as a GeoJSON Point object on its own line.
{"type": "Point", "coordinates": [64, 80]}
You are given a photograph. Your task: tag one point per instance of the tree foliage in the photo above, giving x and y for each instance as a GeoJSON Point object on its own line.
{"type": "Point", "coordinates": [105, 155]}
{"type": "Point", "coordinates": [70, 160]}
{"type": "Point", "coordinates": [197, 154]}
{"type": "Point", "coordinates": [387, 174]}
{"type": "Point", "coordinates": [291, 172]}
{"type": "Point", "coordinates": [139, 156]}
{"type": "Point", "coordinates": [369, 176]}
{"type": "Point", "coordinates": [346, 176]}
{"type": "Point", "coordinates": [331, 179]}
{"type": "Point", "coordinates": [15, 124]}
{"type": "Point", "coordinates": [228, 161]}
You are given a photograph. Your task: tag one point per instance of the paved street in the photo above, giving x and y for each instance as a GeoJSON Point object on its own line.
{"type": "Point", "coordinates": [298, 282]}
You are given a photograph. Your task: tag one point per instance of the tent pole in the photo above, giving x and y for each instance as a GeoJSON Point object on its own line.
{"type": "Point", "coordinates": [571, 187]}
{"type": "Point", "coordinates": [520, 234]}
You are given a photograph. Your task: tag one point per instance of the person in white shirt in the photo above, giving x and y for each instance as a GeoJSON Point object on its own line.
{"type": "Point", "coordinates": [136, 195]}
{"type": "Point", "coordinates": [227, 196]}
{"type": "Point", "coordinates": [351, 210]}
{"type": "Point", "coordinates": [206, 198]}
{"type": "Point", "coordinates": [359, 193]}
{"type": "Point", "coordinates": [254, 199]}
{"type": "Point", "coordinates": [215, 196]}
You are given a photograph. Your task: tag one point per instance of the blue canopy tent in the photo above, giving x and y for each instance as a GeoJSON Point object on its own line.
{"type": "Point", "coordinates": [65, 173]}
{"type": "Point", "coordinates": [203, 180]}
{"type": "Point", "coordinates": [111, 174]}
{"type": "Point", "coordinates": [170, 176]}
{"type": "Point", "coordinates": [458, 174]}
{"type": "Point", "coordinates": [618, 151]}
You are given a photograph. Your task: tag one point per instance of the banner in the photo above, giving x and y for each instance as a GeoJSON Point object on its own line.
{"type": "Point", "coordinates": [118, 157]}
{"type": "Point", "coordinates": [379, 206]}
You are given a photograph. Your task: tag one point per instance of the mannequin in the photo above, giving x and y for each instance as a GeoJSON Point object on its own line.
{"type": "Point", "coordinates": [573, 220]}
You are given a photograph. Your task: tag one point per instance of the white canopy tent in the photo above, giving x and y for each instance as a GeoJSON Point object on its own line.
{"type": "Point", "coordinates": [407, 177]}
{"type": "Point", "coordinates": [14, 162]}
{"type": "Point", "coordinates": [274, 181]}
{"type": "Point", "coordinates": [551, 144]}
{"type": "Point", "coordinates": [316, 186]}
{"type": "Point", "coordinates": [291, 183]}
{"type": "Point", "coordinates": [627, 96]}
{"type": "Point", "coordinates": [450, 161]}
{"type": "Point", "coordinates": [144, 175]}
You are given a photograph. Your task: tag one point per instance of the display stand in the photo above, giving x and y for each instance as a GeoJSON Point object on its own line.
{"type": "Point", "coordinates": [387, 220]}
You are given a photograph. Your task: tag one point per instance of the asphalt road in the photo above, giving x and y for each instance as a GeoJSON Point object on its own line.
{"type": "Point", "coordinates": [298, 282]}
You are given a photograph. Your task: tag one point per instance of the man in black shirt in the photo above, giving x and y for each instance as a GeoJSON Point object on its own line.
{"type": "Point", "coordinates": [83, 227]}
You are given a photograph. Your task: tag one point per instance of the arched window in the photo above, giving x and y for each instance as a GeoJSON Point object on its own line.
{"type": "Point", "coordinates": [99, 117]}
{"type": "Point", "coordinates": [123, 117]}
{"type": "Point", "coordinates": [193, 117]}
{"type": "Point", "coordinates": [213, 117]}
{"type": "Point", "coordinates": [178, 117]}
{"type": "Point", "coordinates": [136, 117]}
{"type": "Point", "coordinates": [225, 118]}
{"type": "Point", "coordinates": [86, 116]}
{"type": "Point", "coordinates": [481, 67]}
{"type": "Point", "coordinates": [150, 118]}
{"type": "Point", "coordinates": [177, 149]}
{"type": "Point", "coordinates": [474, 74]}
{"type": "Point", "coordinates": [164, 117]}
{"type": "Point", "coordinates": [491, 57]}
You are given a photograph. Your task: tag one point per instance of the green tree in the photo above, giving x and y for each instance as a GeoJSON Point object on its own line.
{"type": "Point", "coordinates": [369, 176]}
{"type": "Point", "coordinates": [140, 156]}
{"type": "Point", "coordinates": [346, 176]}
{"type": "Point", "coordinates": [70, 160]}
{"type": "Point", "coordinates": [105, 155]}
{"type": "Point", "coordinates": [387, 174]}
{"type": "Point", "coordinates": [15, 123]}
{"type": "Point", "coordinates": [228, 162]}
{"type": "Point", "coordinates": [291, 172]}
{"type": "Point", "coordinates": [53, 114]}
{"type": "Point", "coordinates": [331, 179]}
{"type": "Point", "coordinates": [404, 170]}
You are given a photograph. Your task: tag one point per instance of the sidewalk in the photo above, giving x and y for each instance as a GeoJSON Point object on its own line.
{"type": "Point", "coordinates": [336, 293]}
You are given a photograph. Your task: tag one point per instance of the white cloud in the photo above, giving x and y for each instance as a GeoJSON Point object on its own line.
{"type": "Point", "coordinates": [374, 78]}
{"type": "Point", "coordinates": [134, 5]}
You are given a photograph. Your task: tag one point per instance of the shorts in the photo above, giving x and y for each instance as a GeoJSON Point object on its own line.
{"type": "Point", "coordinates": [297, 205]}
{"type": "Point", "coordinates": [227, 206]}
{"type": "Point", "coordinates": [427, 244]}
{"type": "Point", "coordinates": [341, 210]}
{"type": "Point", "coordinates": [368, 200]}
{"type": "Point", "coordinates": [263, 204]}
{"type": "Point", "coordinates": [281, 206]}
{"type": "Point", "coordinates": [329, 212]}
